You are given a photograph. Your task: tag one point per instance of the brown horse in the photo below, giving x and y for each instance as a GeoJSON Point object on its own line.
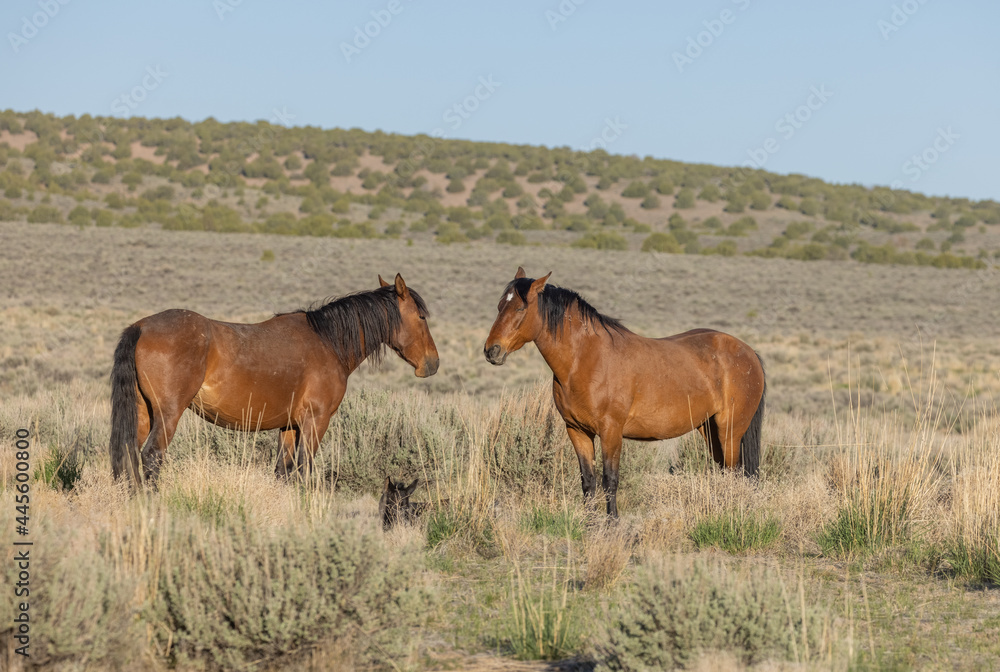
{"type": "Point", "coordinates": [610, 382]}
{"type": "Point", "coordinates": [288, 373]}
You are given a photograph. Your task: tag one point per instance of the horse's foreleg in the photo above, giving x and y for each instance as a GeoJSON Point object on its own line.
{"type": "Point", "coordinates": [611, 450]}
{"type": "Point", "coordinates": [299, 456]}
{"type": "Point", "coordinates": [583, 444]}
{"type": "Point", "coordinates": [286, 453]}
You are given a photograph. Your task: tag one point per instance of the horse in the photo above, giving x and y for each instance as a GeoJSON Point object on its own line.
{"type": "Point", "coordinates": [287, 373]}
{"type": "Point", "coordinates": [610, 382]}
{"type": "Point", "coordinates": [395, 506]}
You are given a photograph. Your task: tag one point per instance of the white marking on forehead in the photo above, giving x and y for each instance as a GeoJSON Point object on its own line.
{"type": "Point", "coordinates": [510, 296]}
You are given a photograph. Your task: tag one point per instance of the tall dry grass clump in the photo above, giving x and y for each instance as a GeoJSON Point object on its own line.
{"type": "Point", "coordinates": [544, 624]}
{"type": "Point", "coordinates": [973, 514]}
{"type": "Point", "coordinates": [887, 476]}
{"type": "Point", "coordinates": [681, 608]}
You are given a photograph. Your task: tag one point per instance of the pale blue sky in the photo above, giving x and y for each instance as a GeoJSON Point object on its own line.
{"type": "Point", "coordinates": [897, 78]}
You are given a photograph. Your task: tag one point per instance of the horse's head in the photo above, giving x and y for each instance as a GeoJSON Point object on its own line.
{"type": "Point", "coordinates": [394, 507]}
{"type": "Point", "coordinates": [518, 318]}
{"type": "Point", "coordinates": [413, 341]}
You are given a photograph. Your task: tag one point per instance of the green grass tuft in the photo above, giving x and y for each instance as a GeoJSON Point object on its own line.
{"type": "Point", "coordinates": [59, 469]}
{"type": "Point", "coordinates": [736, 532]}
{"type": "Point", "coordinates": [541, 520]}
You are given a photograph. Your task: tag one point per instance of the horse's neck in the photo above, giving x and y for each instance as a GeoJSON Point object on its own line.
{"type": "Point", "coordinates": [562, 349]}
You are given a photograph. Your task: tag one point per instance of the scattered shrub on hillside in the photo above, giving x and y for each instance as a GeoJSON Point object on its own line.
{"type": "Point", "coordinates": [602, 240]}
{"type": "Point", "coordinates": [42, 214]}
{"type": "Point", "coordinates": [710, 193]}
{"type": "Point", "coordinates": [663, 186]}
{"type": "Point", "coordinates": [726, 248]}
{"type": "Point", "coordinates": [132, 180]}
{"type": "Point", "coordinates": [662, 242]}
{"type": "Point", "coordinates": [809, 207]}
{"type": "Point", "coordinates": [636, 190]}
{"type": "Point", "coordinates": [712, 223]}
{"type": "Point", "coordinates": [395, 228]}
{"type": "Point", "coordinates": [349, 230]}
{"type": "Point", "coordinates": [637, 226]}
{"type": "Point", "coordinates": [735, 202]}
{"type": "Point", "coordinates": [527, 222]}
{"type": "Point", "coordinates": [511, 237]}
{"type": "Point", "coordinates": [797, 230]}
{"type": "Point", "coordinates": [740, 227]}
{"type": "Point", "coordinates": [684, 199]}
{"type": "Point", "coordinates": [450, 232]}
{"type": "Point", "coordinates": [651, 202]}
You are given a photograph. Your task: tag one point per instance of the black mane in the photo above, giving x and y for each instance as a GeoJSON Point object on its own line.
{"type": "Point", "coordinates": [553, 302]}
{"type": "Point", "coordinates": [358, 326]}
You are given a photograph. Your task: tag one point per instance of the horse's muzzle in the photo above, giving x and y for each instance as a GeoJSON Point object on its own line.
{"type": "Point", "coordinates": [495, 355]}
{"type": "Point", "coordinates": [429, 368]}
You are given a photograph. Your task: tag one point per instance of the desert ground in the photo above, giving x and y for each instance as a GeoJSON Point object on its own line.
{"type": "Point", "coordinates": [871, 540]}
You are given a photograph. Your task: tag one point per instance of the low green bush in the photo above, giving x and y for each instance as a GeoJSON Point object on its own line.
{"type": "Point", "coordinates": [679, 610]}
{"type": "Point", "coordinates": [81, 608]}
{"type": "Point", "coordinates": [233, 596]}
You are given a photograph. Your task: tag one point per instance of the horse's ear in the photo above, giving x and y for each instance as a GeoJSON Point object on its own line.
{"type": "Point", "coordinates": [520, 273]}
{"type": "Point", "coordinates": [381, 282]}
{"type": "Point", "coordinates": [401, 290]}
{"type": "Point", "coordinates": [538, 285]}
{"type": "Point", "coordinates": [411, 487]}
{"type": "Point", "coordinates": [388, 483]}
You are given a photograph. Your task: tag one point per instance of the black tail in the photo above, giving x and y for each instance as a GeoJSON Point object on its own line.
{"type": "Point", "coordinates": [124, 416]}
{"type": "Point", "coordinates": [750, 443]}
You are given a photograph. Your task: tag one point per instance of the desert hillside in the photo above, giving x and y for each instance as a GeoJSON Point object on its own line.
{"type": "Point", "coordinates": [264, 177]}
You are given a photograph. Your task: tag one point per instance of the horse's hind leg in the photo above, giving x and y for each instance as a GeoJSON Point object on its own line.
{"type": "Point", "coordinates": [161, 432]}
{"type": "Point", "coordinates": [728, 437]}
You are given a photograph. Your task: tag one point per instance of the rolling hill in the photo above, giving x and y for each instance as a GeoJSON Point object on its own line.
{"type": "Point", "coordinates": [263, 177]}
